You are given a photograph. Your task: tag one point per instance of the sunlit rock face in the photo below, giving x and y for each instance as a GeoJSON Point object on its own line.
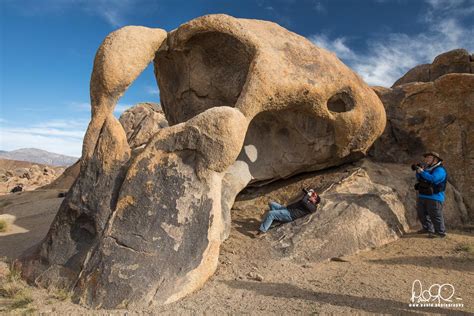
{"type": "Point", "coordinates": [306, 109]}
{"type": "Point", "coordinates": [246, 101]}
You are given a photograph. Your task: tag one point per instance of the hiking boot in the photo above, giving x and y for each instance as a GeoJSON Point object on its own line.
{"type": "Point", "coordinates": [424, 231]}
{"type": "Point", "coordinates": [259, 235]}
{"type": "Point", "coordinates": [436, 235]}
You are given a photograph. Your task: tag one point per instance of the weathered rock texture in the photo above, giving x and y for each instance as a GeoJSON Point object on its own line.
{"type": "Point", "coordinates": [141, 122]}
{"type": "Point", "coordinates": [308, 111]}
{"type": "Point", "coordinates": [455, 61]}
{"type": "Point", "coordinates": [143, 225]}
{"type": "Point", "coordinates": [364, 205]}
{"type": "Point", "coordinates": [435, 116]}
{"type": "Point", "coordinates": [66, 179]}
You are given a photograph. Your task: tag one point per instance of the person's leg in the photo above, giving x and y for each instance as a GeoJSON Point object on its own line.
{"type": "Point", "coordinates": [275, 206]}
{"type": "Point", "coordinates": [435, 211]}
{"type": "Point", "coordinates": [423, 215]}
{"type": "Point", "coordinates": [282, 215]}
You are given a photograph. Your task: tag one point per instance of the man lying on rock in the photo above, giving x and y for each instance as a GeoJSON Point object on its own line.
{"type": "Point", "coordinates": [285, 214]}
{"type": "Point", "coordinates": [431, 183]}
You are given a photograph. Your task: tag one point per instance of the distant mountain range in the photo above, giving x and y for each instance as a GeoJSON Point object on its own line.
{"type": "Point", "coordinates": [38, 156]}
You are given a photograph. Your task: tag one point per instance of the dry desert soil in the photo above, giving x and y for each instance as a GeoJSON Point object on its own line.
{"type": "Point", "coordinates": [249, 281]}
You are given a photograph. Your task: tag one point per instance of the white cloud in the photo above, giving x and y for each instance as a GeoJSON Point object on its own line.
{"type": "Point", "coordinates": [153, 90]}
{"type": "Point", "coordinates": [58, 136]}
{"type": "Point", "coordinates": [390, 57]}
{"type": "Point", "coordinates": [337, 45]}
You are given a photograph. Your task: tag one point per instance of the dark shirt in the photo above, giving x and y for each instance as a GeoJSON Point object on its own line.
{"type": "Point", "coordinates": [301, 208]}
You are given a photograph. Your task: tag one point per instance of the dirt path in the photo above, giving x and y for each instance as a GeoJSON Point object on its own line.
{"type": "Point", "coordinates": [375, 281]}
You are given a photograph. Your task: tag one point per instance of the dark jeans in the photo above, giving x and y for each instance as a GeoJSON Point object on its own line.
{"type": "Point", "coordinates": [430, 214]}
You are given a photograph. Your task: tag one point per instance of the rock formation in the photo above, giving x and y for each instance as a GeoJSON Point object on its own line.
{"type": "Point", "coordinates": [141, 122]}
{"type": "Point", "coordinates": [31, 176]}
{"type": "Point", "coordinates": [437, 115]}
{"type": "Point", "coordinates": [455, 61]}
{"type": "Point", "coordinates": [364, 205]}
{"type": "Point", "coordinates": [143, 226]}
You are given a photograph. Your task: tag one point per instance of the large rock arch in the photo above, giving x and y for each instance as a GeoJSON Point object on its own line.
{"type": "Point", "coordinates": [143, 226]}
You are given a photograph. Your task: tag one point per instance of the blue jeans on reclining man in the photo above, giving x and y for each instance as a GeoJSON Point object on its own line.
{"type": "Point", "coordinates": [277, 212]}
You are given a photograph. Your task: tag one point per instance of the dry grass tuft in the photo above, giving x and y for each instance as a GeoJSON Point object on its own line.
{"type": "Point", "coordinates": [469, 248]}
{"type": "Point", "coordinates": [14, 292]}
{"type": "Point", "coordinates": [3, 226]}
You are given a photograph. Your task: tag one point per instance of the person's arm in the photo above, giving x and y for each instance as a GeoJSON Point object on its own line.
{"type": "Point", "coordinates": [437, 176]}
{"type": "Point", "coordinates": [307, 204]}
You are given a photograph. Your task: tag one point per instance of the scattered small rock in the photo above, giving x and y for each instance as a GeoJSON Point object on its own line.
{"type": "Point", "coordinates": [337, 259]}
{"type": "Point", "coordinates": [17, 188]}
{"type": "Point", "coordinates": [255, 276]}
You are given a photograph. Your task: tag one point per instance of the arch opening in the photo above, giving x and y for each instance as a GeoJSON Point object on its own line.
{"type": "Point", "coordinates": [209, 71]}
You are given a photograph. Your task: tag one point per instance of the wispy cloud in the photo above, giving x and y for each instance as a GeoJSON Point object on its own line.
{"type": "Point", "coordinates": [337, 45]}
{"type": "Point", "coordinates": [394, 54]}
{"type": "Point", "coordinates": [120, 108]}
{"type": "Point", "coordinates": [319, 7]}
{"type": "Point", "coordinates": [112, 11]}
{"type": "Point", "coordinates": [86, 107]}
{"type": "Point", "coordinates": [153, 90]}
{"type": "Point", "coordinates": [59, 136]}
{"type": "Point", "coordinates": [277, 16]}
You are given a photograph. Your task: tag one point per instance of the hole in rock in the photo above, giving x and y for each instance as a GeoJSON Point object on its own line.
{"type": "Point", "coordinates": [83, 229]}
{"type": "Point", "coordinates": [209, 72]}
{"type": "Point", "coordinates": [340, 102]}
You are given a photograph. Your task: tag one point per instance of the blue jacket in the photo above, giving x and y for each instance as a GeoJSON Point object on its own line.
{"type": "Point", "coordinates": [436, 176]}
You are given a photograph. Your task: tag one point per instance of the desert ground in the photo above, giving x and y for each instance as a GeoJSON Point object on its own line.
{"type": "Point", "coordinates": [249, 280]}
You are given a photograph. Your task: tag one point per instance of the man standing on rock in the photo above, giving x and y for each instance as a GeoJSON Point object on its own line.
{"type": "Point", "coordinates": [431, 184]}
{"type": "Point", "coordinates": [303, 207]}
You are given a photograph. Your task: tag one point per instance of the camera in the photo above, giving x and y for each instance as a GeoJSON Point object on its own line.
{"type": "Point", "coordinates": [416, 166]}
{"type": "Point", "coordinates": [308, 191]}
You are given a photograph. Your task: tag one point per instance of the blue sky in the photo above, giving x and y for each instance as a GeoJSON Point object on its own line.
{"type": "Point", "coordinates": [48, 47]}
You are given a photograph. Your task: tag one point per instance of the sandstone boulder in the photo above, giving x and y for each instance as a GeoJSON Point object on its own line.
{"type": "Point", "coordinates": [363, 205]}
{"type": "Point", "coordinates": [435, 116]}
{"type": "Point", "coordinates": [454, 61]}
{"type": "Point", "coordinates": [307, 110]}
{"type": "Point", "coordinates": [143, 225]}
{"type": "Point", "coordinates": [141, 122]}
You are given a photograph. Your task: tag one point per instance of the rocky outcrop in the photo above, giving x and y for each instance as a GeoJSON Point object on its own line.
{"type": "Point", "coordinates": [141, 122]}
{"type": "Point", "coordinates": [363, 205]}
{"type": "Point", "coordinates": [66, 179]}
{"type": "Point", "coordinates": [142, 225]}
{"type": "Point", "coordinates": [28, 175]}
{"type": "Point", "coordinates": [435, 116]}
{"type": "Point", "coordinates": [455, 61]}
